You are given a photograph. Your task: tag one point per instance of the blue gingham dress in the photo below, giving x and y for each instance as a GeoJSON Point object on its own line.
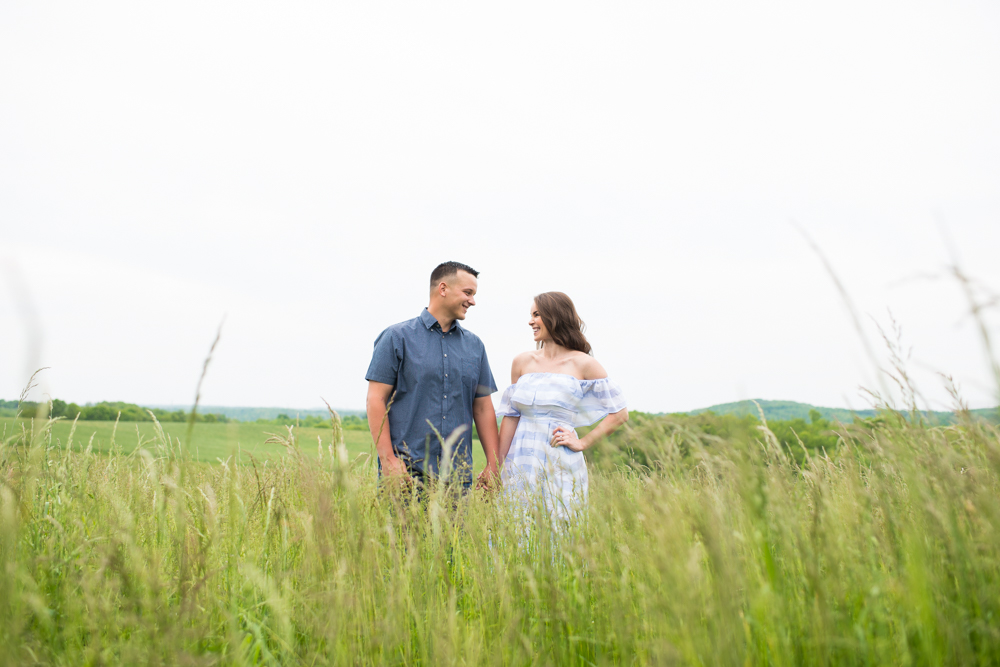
{"type": "Point", "coordinates": [533, 466]}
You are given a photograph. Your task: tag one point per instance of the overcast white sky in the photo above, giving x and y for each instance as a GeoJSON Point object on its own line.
{"type": "Point", "coordinates": [301, 167]}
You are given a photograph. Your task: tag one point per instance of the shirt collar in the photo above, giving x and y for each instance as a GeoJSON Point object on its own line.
{"type": "Point", "coordinates": [430, 321]}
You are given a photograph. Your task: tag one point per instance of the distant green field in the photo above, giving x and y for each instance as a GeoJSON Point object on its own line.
{"type": "Point", "coordinates": [209, 442]}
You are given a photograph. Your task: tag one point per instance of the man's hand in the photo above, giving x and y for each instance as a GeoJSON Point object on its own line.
{"type": "Point", "coordinates": [488, 479]}
{"type": "Point", "coordinates": [395, 477]}
{"type": "Point", "coordinates": [486, 424]}
{"type": "Point", "coordinates": [394, 467]}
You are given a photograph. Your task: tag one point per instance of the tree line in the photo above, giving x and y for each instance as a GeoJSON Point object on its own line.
{"type": "Point", "coordinates": [130, 412]}
{"type": "Point", "coordinates": [103, 411]}
{"type": "Point", "coordinates": [349, 422]}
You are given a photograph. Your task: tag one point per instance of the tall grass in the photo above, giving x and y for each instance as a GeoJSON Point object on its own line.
{"type": "Point", "coordinates": [886, 551]}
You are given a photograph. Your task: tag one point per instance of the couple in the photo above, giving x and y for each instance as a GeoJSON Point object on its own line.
{"type": "Point", "coordinates": [431, 376]}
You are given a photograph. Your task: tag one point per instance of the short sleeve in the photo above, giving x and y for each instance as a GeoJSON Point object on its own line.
{"type": "Point", "coordinates": [506, 407]}
{"type": "Point", "coordinates": [384, 367]}
{"type": "Point", "coordinates": [600, 398]}
{"type": "Point", "coordinates": [486, 385]}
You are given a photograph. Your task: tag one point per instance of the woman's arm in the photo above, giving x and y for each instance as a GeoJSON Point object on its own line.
{"type": "Point", "coordinates": [563, 437]}
{"type": "Point", "coordinates": [509, 424]}
{"type": "Point", "coordinates": [507, 428]}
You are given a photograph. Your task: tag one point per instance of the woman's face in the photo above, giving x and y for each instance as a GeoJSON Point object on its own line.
{"type": "Point", "coordinates": [541, 333]}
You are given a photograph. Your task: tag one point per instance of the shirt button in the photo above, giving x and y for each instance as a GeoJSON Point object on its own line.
{"type": "Point", "coordinates": [446, 395]}
{"type": "Point", "coordinates": [446, 354]}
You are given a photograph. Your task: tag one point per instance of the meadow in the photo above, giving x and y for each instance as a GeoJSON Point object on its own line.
{"type": "Point", "coordinates": [883, 551]}
{"type": "Point", "coordinates": [209, 442]}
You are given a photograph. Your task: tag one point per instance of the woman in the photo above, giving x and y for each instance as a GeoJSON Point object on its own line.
{"type": "Point", "coordinates": [555, 388]}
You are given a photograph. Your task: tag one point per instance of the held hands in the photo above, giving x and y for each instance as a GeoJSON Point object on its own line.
{"type": "Point", "coordinates": [564, 437]}
{"type": "Point", "coordinates": [489, 479]}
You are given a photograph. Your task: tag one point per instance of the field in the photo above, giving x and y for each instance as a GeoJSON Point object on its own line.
{"type": "Point", "coordinates": [884, 551]}
{"type": "Point", "coordinates": [210, 442]}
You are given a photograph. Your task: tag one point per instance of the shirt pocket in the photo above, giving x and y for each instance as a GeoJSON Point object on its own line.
{"type": "Point", "coordinates": [470, 376]}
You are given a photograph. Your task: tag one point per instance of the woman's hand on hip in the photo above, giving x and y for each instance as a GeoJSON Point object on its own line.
{"type": "Point", "coordinates": [564, 437]}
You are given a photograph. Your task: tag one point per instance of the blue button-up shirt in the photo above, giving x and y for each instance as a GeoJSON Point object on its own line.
{"type": "Point", "coordinates": [436, 375]}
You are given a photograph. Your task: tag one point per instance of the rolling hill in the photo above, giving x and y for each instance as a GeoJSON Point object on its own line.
{"type": "Point", "coordinates": [781, 410]}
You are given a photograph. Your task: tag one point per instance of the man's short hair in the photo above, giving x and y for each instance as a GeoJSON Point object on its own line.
{"type": "Point", "coordinates": [448, 269]}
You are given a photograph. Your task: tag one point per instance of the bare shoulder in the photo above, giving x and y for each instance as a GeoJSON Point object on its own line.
{"type": "Point", "coordinates": [591, 368]}
{"type": "Point", "coordinates": [521, 362]}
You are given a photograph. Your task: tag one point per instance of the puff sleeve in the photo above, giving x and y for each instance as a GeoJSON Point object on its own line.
{"type": "Point", "coordinates": [599, 399]}
{"type": "Point", "coordinates": [506, 407]}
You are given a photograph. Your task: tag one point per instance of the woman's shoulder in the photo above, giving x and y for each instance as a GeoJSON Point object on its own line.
{"type": "Point", "coordinates": [520, 364]}
{"type": "Point", "coordinates": [578, 364]}
{"type": "Point", "coordinates": [590, 368]}
{"type": "Point", "coordinates": [525, 356]}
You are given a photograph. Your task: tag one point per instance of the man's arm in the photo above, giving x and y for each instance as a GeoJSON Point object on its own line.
{"type": "Point", "coordinates": [486, 424]}
{"type": "Point", "coordinates": [378, 424]}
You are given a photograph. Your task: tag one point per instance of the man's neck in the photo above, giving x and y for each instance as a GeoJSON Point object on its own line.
{"type": "Point", "coordinates": [444, 320]}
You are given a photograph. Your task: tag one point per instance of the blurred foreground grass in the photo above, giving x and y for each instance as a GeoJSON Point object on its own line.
{"type": "Point", "coordinates": [886, 551]}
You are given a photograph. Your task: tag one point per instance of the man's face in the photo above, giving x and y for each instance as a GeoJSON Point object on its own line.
{"type": "Point", "coordinates": [460, 294]}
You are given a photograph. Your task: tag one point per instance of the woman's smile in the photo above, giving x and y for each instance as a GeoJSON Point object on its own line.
{"type": "Point", "coordinates": [539, 333]}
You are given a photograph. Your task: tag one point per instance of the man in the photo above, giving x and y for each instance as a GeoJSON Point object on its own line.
{"type": "Point", "coordinates": [433, 369]}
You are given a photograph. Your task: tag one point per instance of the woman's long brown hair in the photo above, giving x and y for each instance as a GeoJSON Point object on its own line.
{"type": "Point", "coordinates": [561, 319]}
